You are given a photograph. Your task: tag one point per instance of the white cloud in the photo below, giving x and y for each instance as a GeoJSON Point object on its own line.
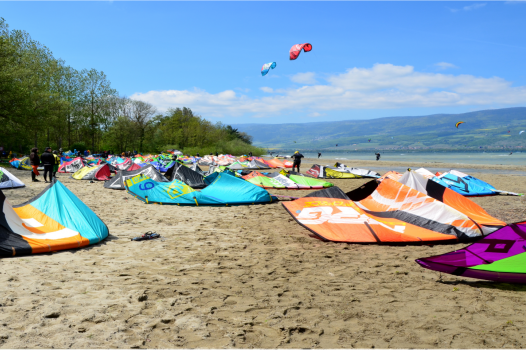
{"type": "Point", "coordinates": [383, 86]}
{"type": "Point", "coordinates": [445, 65]}
{"type": "Point", "coordinates": [469, 8]}
{"type": "Point", "coordinates": [267, 89]}
{"type": "Point", "coordinates": [304, 78]}
{"type": "Point", "coordinates": [316, 114]}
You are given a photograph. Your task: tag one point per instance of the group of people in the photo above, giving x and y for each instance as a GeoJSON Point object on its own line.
{"type": "Point", "coordinates": [49, 159]}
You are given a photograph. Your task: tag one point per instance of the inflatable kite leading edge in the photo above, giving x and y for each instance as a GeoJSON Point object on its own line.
{"type": "Point", "coordinates": [54, 220]}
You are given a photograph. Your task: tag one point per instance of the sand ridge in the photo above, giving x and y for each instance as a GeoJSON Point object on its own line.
{"type": "Point", "coordinates": [247, 276]}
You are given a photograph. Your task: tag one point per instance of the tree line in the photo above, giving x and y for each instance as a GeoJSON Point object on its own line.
{"type": "Point", "coordinates": [44, 102]}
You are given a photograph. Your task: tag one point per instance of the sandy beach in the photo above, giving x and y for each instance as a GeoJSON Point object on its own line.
{"type": "Point", "coordinates": [250, 277]}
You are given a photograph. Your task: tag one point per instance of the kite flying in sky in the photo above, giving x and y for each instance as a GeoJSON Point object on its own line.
{"type": "Point", "coordinates": [296, 49]}
{"type": "Point", "coordinates": [267, 67]}
{"type": "Point", "coordinates": [457, 124]}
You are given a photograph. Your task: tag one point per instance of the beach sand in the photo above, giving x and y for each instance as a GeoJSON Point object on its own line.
{"type": "Point", "coordinates": [246, 277]}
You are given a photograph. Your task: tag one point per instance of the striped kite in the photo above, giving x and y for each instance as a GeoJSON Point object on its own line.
{"type": "Point", "coordinates": [457, 124]}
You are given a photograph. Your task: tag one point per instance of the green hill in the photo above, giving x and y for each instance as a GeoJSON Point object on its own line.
{"type": "Point", "coordinates": [482, 129]}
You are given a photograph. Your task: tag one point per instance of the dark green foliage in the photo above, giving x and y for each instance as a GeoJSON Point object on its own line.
{"type": "Point", "coordinates": [44, 102]}
{"type": "Point", "coordinates": [79, 146]}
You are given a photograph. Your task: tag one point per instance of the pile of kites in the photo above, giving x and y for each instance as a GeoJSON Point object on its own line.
{"type": "Point", "coordinates": [415, 207]}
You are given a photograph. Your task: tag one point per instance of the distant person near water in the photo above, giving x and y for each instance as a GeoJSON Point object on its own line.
{"type": "Point", "coordinates": [297, 160]}
{"type": "Point", "coordinates": [319, 155]}
{"type": "Point", "coordinates": [377, 156]}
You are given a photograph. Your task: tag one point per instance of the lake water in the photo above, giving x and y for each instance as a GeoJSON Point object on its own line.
{"type": "Point", "coordinates": [461, 158]}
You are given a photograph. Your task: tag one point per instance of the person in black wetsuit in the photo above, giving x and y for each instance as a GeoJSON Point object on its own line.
{"type": "Point", "coordinates": [250, 154]}
{"type": "Point", "coordinates": [48, 160]}
{"type": "Point", "coordinates": [319, 155]}
{"type": "Point", "coordinates": [297, 160]}
{"type": "Point", "coordinates": [377, 156]}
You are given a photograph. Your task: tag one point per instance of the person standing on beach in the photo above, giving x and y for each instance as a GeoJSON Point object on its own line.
{"type": "Point", "coordinates": [297, 160]}
{"type": "Point", "coordinates": [34, 159]}
{"type": "Point", "coordinates": [250, 154]}
{"type": "Point", "coordinates": [57, 163]}
{"type": "Point", "coordinates": [48, 161]}
{"type": "Point", "coordinates": [377, 156]}
{"type": "Point", "coordinates": [319, 155]}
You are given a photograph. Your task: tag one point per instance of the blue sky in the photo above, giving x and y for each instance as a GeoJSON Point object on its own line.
{"type": "Point", "coordinates": [369, 59]}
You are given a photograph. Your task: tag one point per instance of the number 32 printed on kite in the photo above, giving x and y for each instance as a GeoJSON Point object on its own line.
{"type": "Point", "coordinates": [267, 67]}
{"type": "Point", "coordinates": [296, 49]}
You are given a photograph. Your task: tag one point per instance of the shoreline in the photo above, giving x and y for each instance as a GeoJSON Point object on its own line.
{"type": "Point", "coordinates": [357, 163]}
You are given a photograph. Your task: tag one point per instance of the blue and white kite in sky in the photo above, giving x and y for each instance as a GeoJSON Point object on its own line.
{"type": "Point", "coordinates": [267, 67]}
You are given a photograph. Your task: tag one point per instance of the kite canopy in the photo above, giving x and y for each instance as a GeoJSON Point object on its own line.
{"type": "Point", "coordinates": [23, 163]}
{"type": "Point", "coordinates": [457, 124]}
{"type": "Point", "coordinates": [54, 220]}
{"type": "Point", "coordinates": [296, 50]}
{"type": "Point", "coordinates": [224, 190]}
{"type": "Point", "coordinates": [342, 168]}
{"type": "Point", "coordinates": [72, 166]}
{"type": "Point", "coordinates": [8, 180]}
{"type": "Point", "coordinates": [286, 182]}
{"type": "Point", "coordinates": [499, 257]}
{"type": "Point", "coordinates": [117, 182]}
{"type": "Point", "coordinates": [391, 212]}
{"type": "Point", "coordinates": [467, 185]}
{"type": "Point", "coordinates": [99, 173]}
{"type": "Point", "coordinates": [322, 172]}
{"type": "Point", "coordinates": [186, 175]}
{"type": "Point", "coordinates": [254, 164]}
{"type": "Point", "coordinates": [267, 67]}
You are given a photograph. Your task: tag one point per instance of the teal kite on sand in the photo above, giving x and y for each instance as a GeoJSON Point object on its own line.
{"type": "Point", "coordinates": [224, 189]}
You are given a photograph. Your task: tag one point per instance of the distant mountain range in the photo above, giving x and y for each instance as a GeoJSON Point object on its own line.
{"type": "Point", "coordinates": [488, 129]}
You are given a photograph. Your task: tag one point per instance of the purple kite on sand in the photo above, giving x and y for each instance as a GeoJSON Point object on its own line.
{"type": "Point", "coordinates": [500, 257]}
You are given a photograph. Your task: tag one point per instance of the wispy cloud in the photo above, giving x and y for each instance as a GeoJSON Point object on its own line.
{"type": "Point", "coordinates": [468, 8]}
{"type": "Point", "coordinates": [267, 89]}
{"type": "Point", "coordinates": [383, 86]}
{"type": "Point", "coordinates": [304, 78]}
{"type": "Point", "coordinates": [445, 65]}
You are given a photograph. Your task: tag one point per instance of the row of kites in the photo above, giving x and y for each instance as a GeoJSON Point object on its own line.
{"type": "Point", "coordinates": [509, 131]}
{"type": "Point", "coordinates": [293, 54]}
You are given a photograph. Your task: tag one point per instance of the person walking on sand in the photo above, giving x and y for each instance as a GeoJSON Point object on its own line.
{"type": "Point", "coordinates": [48, 161]}
{"type": "Point", "coordinates": [34, 159]}
{"type": "Point", "coordinates": [57, 163]}
{"type": "Point", "coordinates": [297, 160]}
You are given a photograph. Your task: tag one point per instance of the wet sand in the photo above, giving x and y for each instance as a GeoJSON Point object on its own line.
{"type": "Point", "coordinates": [246, 277]}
